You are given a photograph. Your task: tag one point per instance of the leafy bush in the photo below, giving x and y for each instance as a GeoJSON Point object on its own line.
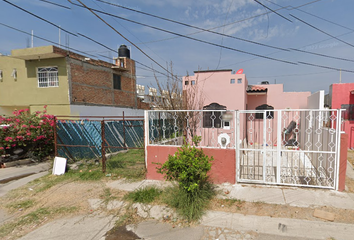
{"type": "Point", "coordinates": [189, 166]}
{"type": "Point", "coordinates": [32, 132]}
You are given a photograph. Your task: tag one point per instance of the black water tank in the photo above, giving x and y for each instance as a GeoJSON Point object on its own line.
{"type": "Point", "coordinates": [265, 83]}
{"type": "Point", "coordinates": [123, 51]}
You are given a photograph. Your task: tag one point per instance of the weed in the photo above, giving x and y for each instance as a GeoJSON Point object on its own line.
{"type": "Point", "coordinates": [107, 196]}
{"type": "Point", "coordinates": [190, 205]}
{"type": "Point", "coordinates": [34, 218]}
{"type": "Point", "coordinates": [143, 195]}
{"type": "Point", "coordinates": [21, 204]}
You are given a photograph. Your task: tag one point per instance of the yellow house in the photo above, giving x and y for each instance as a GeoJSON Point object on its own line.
{"type": "Point", "coordinates": [68, 83]}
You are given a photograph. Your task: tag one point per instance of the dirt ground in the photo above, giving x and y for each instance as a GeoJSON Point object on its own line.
{"type": "Point", "coordinates": [74, 196]}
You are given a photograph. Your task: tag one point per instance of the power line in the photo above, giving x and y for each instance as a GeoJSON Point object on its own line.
{"type": "Point", "coordinates": [56, 4]}
{"type": "Point", "coordinates": [123, 36]}
{"type": "Point", "coordinates": [322, 55]}
{"type": "Point", "coordinates": [131, 33]}
{"type": "Point", "coordinates": [44, 39]}
{"type": "Point", "coordinates": [332, 68]}
{"type": "Point", "coordinates": [321, 30]}
{"type": "Point", "coordinates": [192, 26]}
{"type": "Point", "coordinates": [273, 11]}
{"type": "Point", "coordinates": [53, 24]}
{"type": "Point", "coordinates": [184, 36]}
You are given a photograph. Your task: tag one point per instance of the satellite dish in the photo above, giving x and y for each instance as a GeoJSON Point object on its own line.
{"type": "Point", "coordinates": [240, 71]}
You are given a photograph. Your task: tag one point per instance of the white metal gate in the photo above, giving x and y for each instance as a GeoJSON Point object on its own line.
{"type": "Point", "coordinates": [283, 147]}
{"type": "Point", "coordinates": [288, 147]}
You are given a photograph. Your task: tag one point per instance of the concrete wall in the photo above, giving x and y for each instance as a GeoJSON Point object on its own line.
{"type": "Point", "coordinates": [223, 167]}
{"type": "Point", "coordinates": [278, 99]}
{"type": "Point", "coordinates": [24, 90]}
{"type": "Point", "coordinates": [341, 94]}
{"type": "Point", "coordinates": [215, 86]}
{"type": "Point", "coordinates": [78, 110]}
{"type": "Point", "coordinates": [316, 100]}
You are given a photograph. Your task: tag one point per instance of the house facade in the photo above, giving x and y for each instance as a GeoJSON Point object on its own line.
{"type": "Point", "coordinates": [231, 90]}
{"type": "Point", "coordinates": [341, 96]}
{"type": "Point", "coordinates": [67, 82]}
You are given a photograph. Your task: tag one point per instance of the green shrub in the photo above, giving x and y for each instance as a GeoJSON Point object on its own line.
{"type": "Point", "coordinates": [189, 166]}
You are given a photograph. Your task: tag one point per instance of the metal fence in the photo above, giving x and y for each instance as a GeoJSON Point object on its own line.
{"type": "Point", "coordinates": [285, 147]}
{"type": "Point", "coordinates": [95, 137]}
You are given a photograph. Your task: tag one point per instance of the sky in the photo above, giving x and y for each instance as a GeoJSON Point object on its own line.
{"type": "Point", "coordinates": [302, 44]}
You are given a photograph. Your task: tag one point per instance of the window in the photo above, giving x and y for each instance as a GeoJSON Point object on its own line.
{"type": "Point", "coordinates": [226, 125]}
{"type": "Point", "coordinates": [47, 77]}
{"type": "Point", "coordinates": [348, 114]}
{"type": "Point", "coordinates": [269, 114]}
{"type": "Point", "coordinates": [239, 80]}
{"type": "Point", "coordinates": [192, 82]}
{"type": "Point", "coordinates": [212, 119]}
{"type": "Point", "coordinates": [232, 81]}
{"type": "Point", "coordinates": [186, 82]}
{"type": "Point", "coordinates": [116, 82]}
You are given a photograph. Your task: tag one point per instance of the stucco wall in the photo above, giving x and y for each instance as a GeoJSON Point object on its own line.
{"type": "Point", "coordinates": [278, 99]}
{"type": "Point", "coordinates": [78, 110]}
{"type": "Point", "coordinates": [24, 90]}
{"type": "Point", "coordinates": [316, 100]}
{"type": "Point", "coordinates": [216, 87]}
{"type": "Point", "coordinates": [223, 167]}
{"type": "Point", "coordinates": [341, 94]}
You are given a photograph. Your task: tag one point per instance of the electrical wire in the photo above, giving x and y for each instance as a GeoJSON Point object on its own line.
{"type": "Point", "coordinates": [184, 36]}
{"type": "Point", "coordinates": [272, 10]}
{"type": "Point", "coordinates": [195, 27]}
{"type": "Point", "coordinates": [321, 30]}
{"type": "Point", "coordinates": [44, 39]}
{"type": "Point", "coordinates": [123, 36]}
{"type": "Point", "coordinates": [332, 68]}
{"type": "Point", "coordinates": [45, 20]}
{"type": "Point", "coordinates": [56, 4]}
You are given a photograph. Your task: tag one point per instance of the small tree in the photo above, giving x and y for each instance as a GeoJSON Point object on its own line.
{"type": "Point", "coordinates": [33, 132]}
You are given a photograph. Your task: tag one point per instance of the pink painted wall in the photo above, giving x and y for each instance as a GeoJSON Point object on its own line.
{"type": "Point", "coordinates": [278, 99]}
{"type": "Point", "coordinates": [215, 86]}
{"type": "Point", "coordinates": [340, 93]}
{"type": "Point", "coordinates": [343, 161]}
{"type": "Point", "coordinates": [223, 167]}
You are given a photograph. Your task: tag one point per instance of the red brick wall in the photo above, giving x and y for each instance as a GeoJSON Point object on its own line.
{"type": "Point", "coordinates": [92, 83]}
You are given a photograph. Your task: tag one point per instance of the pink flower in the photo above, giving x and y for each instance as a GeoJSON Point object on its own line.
{"type": "Point", "coordinates": [24, 125]}
{"type": "Point", "coordinates": [8, 139]}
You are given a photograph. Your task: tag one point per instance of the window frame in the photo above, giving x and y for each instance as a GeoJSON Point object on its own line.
{"type": "Point", "coordinates": [239, 80]}
{"type": "Point", "coordinates": [47, 78]}
{"type": "Point", "coordinates": [232, 81]}
{"type": "Point", "coordinates": [269, 114]}
{"type": "Point", "coordinates": [117, 81]}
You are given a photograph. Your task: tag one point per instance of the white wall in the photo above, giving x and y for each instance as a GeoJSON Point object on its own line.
{"type": "Point", "coordinates": [316, 100]}
{"type": "Point", "coordinates": [104, 111]}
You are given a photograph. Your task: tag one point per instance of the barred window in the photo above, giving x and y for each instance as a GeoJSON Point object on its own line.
{"type": "Point", "coordinates": [348, 114]}
{"type": "Point", "coordinates": [47, 77]}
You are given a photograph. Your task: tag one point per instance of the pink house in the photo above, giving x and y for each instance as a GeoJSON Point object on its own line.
{"type": "Point", "coordinates": [231, 90]}
{"type": "Point", "coordinates": [341, 96]}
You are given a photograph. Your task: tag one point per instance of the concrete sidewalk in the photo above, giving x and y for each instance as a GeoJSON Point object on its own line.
{"type": "Point", "coordinates": [215, 224]}
{"type": "Point", "coordinates": [293, 196]}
